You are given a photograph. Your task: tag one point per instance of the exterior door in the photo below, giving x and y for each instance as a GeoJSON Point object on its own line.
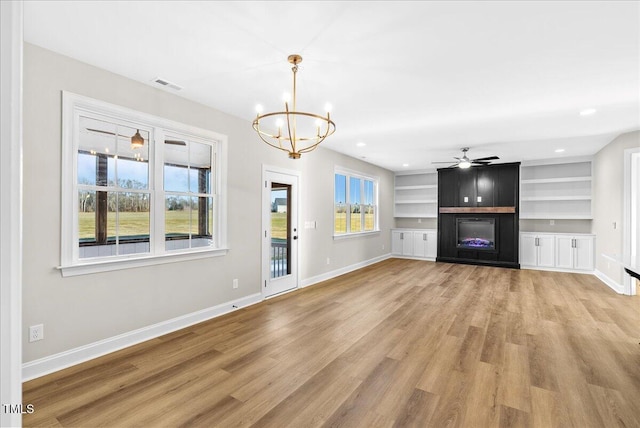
{"type": "Point", "coordinates": [280, 232]}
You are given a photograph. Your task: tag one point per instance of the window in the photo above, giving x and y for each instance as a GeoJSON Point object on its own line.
{"type": "Point", "coordinates": [355, 203]}
{"type": "Point", "coordinates": [137, 189]}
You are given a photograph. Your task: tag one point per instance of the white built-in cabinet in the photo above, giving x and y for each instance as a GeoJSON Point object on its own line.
{"type": "Point", "coordinates": [557, 189]}
{"type": "Point", "coordinates": [575, 252]}
{"type": "Point", "coordinates": [537, 250]}
{"type": "Point", "coordinates": [415, 243]}
{"type": "Point", "coordinates": [557, 251]}
{"type": "Point", "coordinates": [416, 195]}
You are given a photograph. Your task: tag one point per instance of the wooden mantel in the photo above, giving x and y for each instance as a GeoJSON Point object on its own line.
{"type": "Point", "coordinates": [478, 210]}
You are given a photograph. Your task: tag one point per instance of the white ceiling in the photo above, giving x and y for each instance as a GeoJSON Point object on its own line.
{"type": "Point", "coordinates": [414, 81]}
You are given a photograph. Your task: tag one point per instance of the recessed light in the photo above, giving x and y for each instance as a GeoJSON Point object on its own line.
{"type": "Point", "coordinates": [559, 150]}
{"type": "Point", "coordinates": [587, 112]}
{"type": "Point", "coordinates": [405, 165]}
{"type": "Point", "coordinates": [360, 144]}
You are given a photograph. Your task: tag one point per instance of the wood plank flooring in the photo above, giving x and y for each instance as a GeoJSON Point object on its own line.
{"type": "Point", "coordinates": [400, 343]}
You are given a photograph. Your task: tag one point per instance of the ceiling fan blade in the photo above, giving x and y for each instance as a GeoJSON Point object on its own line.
{"type": "Point", "coordinates": [488, 158]}
{"type": "Point", "coordinates": [175, 142]}
{"type": "Point", "coordinates": [105, 132]}
{"type": "Point", "coordinates": [481, 162]}
{"type": "Point", "coordinates": [101, 131]}
{"type": "Point", "coordinates": [442, 162]}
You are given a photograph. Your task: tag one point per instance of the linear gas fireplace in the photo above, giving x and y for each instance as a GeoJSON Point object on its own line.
{"type": "Point", "coordinates": [476, 233]}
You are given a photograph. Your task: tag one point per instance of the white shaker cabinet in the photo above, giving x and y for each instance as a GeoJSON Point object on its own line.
{"type": "Point", "coordinates": [575, 252]}
{"type": "Point", "coordinates": [414, 243]}
{"type": "Point", "coordinates": [425, 244]}
{"type": "Point", "coordinates": [537, 250]}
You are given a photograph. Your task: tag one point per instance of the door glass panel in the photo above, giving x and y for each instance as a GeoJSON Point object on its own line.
{"type": "Point", "coordinates": [280, 230]}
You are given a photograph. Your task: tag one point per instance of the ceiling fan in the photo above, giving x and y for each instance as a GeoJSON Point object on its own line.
{"type": "Point", "coordinates": [465, 162]}
{"type": "Point", "coordinates": [174, 142]}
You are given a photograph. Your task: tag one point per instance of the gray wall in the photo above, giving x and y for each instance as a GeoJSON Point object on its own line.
{"type": "Point", "coordinates": [559, 226]}
{"type": "Point", "coordinates": [84, 309]}
{"type": "Point", "coordinates": [412, 223]}
{"type": "Point", "coordinates": [609, 203]}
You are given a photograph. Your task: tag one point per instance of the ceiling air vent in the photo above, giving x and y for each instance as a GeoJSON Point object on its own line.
{"type": "Point", "coordinates": [165, 82]}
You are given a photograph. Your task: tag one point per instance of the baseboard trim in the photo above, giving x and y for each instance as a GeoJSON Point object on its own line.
{"type": "Point", "coordinates": [618, 288]}
{"type": "Point", "coordinates": [53, 363]}
{"type": "Point", "coordinates": [553, 269]}
{"type": "Point", "coordinates": [334, 273]}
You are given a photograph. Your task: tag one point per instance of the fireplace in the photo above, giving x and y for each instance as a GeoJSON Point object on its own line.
{"type": "Point", "coordinates": [476, 233]}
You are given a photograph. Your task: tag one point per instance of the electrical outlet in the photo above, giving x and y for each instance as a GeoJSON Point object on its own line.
{"type": "Point", "coordinates": [383, 246]}
{"type": "Point", "coordinates": [419, 220]}
{"type": "Point", "coordinates": [328, 261]}
{"type": "Point", "coordinates": [235, 283]}
{"type": "Point", "coordinates": [552, 222]}
{"type": "Point", "coordinates": [36, 332]}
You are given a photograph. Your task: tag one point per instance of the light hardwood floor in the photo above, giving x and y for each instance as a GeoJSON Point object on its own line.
{"type": "Point", "coordinates": [399, 343]}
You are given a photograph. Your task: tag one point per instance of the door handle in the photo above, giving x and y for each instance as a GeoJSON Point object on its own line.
{"type": "Point", "coordinates": [424, 236]}
{"type": "Point", "coordinates": [295, 237]}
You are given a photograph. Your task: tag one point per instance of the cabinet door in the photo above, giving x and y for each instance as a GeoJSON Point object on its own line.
{"type": "Point", "coordinates": [583, 253]}
{"type": "Point", "coordinates": [466, 187]}
{"type": "Point", "coordinates": [546, 251]}
{"type": "Point", "coordinates": [407, 243]}
{"type": "Point", "coordinates": [432, 245]}
{"type": "Point", "coordinates": [447, 188]}
{"type": "Point", "coordinates": [506, 183]}
{"type": "Point", "coordinates": [528, 250]}
{"type": "Point", "coordinates": [485, 187]}
{"type": "Point", "coordinates": [396, 242]}
{"type": "Point", "coordinates": [564, 252]}
{"type": "Point", "coordinates": [420, 244]}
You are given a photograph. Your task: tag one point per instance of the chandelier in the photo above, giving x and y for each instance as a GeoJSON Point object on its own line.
{"type": "Point", "coordinates": [289, 140]}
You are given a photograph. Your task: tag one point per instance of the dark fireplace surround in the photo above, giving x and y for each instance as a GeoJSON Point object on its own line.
{"type": "Point", "coordinates": [478, 215]}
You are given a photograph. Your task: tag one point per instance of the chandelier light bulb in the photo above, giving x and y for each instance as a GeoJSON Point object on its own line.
{"type": "Point", "coordinates": [279, 123]}
{"type": "Point", "coordinates": [286, 97]}
{"type": "Point", "coordinates": [328, 107]}
{"type": "Point", "coordinates": [259, 108]}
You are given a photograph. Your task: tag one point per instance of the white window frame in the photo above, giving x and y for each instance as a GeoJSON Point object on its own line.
{"type": "Point", "coordinates": [74, 106]}
{"type": "Point", "coordinates": [348, 173]}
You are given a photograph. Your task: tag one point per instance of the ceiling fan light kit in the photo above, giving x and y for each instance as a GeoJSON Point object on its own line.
{"type": "Point", "coordinates": [137, 141]}
{"type": "Point", "coordinates": [289, 140]}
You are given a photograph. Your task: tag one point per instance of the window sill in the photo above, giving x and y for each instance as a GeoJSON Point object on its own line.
{"type": "Point", "coordinates": [354, 235]}
{"type": "Point", "coordinates": [85, 268]}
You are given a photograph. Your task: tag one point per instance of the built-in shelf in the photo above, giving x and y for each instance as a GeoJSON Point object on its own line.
{"type": "Point", "coordinates": [418, 201]}
{"type": "Point", "coordinates": [416, 194]}
{"type": "Point", "coordinates": [555, 180]}
{"type": "Point", "coordinates": [556, 190]}
{"type": "Point", "coordinates": [426, 186]}
{"type": "Point", "coordinates": [554, 216]}
{"type": "Point", "coordinates": [556, 198]}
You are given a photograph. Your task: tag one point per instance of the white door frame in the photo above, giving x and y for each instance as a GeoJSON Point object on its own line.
{"type": "Point", "coordinates": [265, 262]}
{"type": "Point", "coordinates": [630, 216]}
{"type": "Point", "coordinates": [11, 210]}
